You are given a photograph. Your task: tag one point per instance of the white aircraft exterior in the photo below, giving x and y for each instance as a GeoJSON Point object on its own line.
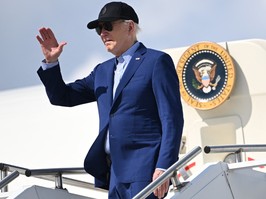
{"type": "Point", "coordinates": [35, 134]}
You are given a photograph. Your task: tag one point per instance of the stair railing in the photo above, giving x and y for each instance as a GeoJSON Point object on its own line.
{"type": "Point", "coordinates": [7, 179]}
{"type": "Point", "coordinates": [235, 150]}
{"type": "Point", "coordinates": [52, 174]}
{"type": "Point", "coordinates": [171, 173]}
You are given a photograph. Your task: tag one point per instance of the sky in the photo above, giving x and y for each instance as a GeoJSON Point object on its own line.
{"type": "Point", "coordinates": [164, 24]}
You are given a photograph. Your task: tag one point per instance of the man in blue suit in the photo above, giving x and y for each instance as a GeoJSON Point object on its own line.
{"type": "Point", "coordinates": [137, 93]}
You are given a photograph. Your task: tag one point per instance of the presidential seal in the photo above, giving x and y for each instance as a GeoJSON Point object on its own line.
{"type": "Point", "coordinates": [206, 73]}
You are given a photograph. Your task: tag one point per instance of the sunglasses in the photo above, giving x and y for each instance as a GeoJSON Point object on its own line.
{"type": "Point", "coordinates": [107, 25]}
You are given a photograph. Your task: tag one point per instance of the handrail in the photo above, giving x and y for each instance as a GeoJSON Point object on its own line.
{"type": "Point", "coordinates": [9, 167]}
{"type": "Point", "coordinates": [4, 168]}
{"type": "Point", "coordinates": [235, 148]}
{"type": "Point", "coordinates": [169, 173]}
{"type": "Point", "coordinates": [5, 181]}
{"type": "Point", "coordinates": [57, 174]}
{"type": "Point", "coordinates": [52, 174]}
{"type": "Point", "coordinates": [54, 171]}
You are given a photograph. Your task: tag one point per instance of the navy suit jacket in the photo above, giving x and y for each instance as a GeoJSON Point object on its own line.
{"type": "Point", "coordinates": [145, 118]}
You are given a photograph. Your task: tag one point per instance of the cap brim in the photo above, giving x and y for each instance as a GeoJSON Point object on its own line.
{"type": "Point", "coordinates": [95, 23]}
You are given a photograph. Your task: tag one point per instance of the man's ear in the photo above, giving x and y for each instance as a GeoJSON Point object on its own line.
{"type": "Point", "coordinates": [131, 26]}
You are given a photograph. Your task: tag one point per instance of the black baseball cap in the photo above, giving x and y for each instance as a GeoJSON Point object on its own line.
{"type": "Point", "coordinates": [113, 11]}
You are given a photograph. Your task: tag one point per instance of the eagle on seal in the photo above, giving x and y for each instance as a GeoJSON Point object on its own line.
{"type": "Point", "coordinates": [205, 72]}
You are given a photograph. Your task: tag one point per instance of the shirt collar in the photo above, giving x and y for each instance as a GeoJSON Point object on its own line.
{"type": "Point", "coordinates": [126, 56]}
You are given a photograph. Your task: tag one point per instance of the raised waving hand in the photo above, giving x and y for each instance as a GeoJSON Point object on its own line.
{"type": "Point", "coordinates": [50, 47]}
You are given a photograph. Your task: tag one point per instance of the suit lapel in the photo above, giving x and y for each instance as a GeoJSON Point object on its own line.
{"type": "Point", "coordinates": [110, 81]}
{"type": "Point", "coordinates": [133, 65]}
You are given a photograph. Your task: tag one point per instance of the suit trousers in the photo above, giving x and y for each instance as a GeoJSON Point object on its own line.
{"type": "Point", "coordinates": [126, 190]}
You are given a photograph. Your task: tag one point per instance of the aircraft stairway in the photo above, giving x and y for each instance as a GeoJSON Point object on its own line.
{"type": "Point", "coordinates": [38, 192]}
{"type": "Point", "coordinates": [225, 181]}
{"type": "Point", "coordinates": [220, 180]}
{"type": "Point", "coordinates": [43, 177]}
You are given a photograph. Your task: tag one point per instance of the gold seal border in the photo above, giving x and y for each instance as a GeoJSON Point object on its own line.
{"type": "Point", "coordinates": [230, 81]}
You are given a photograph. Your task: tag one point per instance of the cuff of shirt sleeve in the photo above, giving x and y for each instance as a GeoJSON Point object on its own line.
{"type": "Point", "coordinates": [161, 169]}
{"type": "Point", "coordinates": [46, 66]}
